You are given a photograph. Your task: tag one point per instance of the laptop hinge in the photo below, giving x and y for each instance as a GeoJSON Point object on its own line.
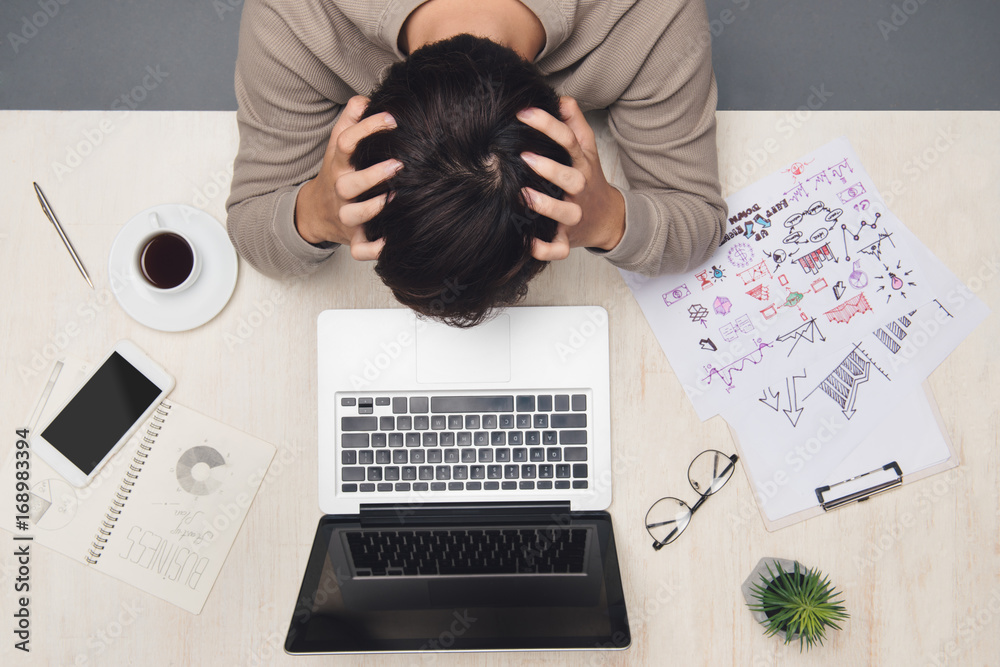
{"type": "Point", "coordinates": [424, 513]}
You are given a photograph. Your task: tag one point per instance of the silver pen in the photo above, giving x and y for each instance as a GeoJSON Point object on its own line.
{"type": "Point", "coordinates": [65, 239]}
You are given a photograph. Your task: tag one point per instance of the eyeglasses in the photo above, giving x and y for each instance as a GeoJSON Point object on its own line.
{"type": "Point", "coordinates": [668, 517]}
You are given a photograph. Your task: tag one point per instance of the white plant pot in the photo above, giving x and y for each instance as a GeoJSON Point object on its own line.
{"type": "Point", "coordinates": [759, 575]}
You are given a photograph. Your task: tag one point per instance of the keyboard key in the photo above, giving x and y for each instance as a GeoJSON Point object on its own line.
{"type": "Point", "coordinates": [366, 457]}
{"type": "Point", "coordinates": [412, 439]}
{"type": "Point", "coordinates": [381, 400]}
{"type": "Point", "coordinates": [508, 486]}
{"type": "Point", "coordinates": [442, 472]}
{"type": "Point", "coordinates": [422, 486]}
{"type": "Point", "coordinates": [383, 457]}
{"type": "Point", "coordinates": [358, 424]}
{"type": "Point", "coordinates": [349, 458]}
{"type": "Point", "coordinates": [455, 486]}
{"type": "Point", "coordinates": [348, 402]}
{"type": "Point", "coordinates": [352, 474]}
{"type": "Point", "coordinates": [378, 439]}
{"type": "Point", "coordinates": [455, 423]}
{"type": "Point", "coordinates": [399, 456]}
{"type": "Point", "coordinates": [391, 473]}
{"type": "Point", "coordinates": [525, 403]}
{"type": "Point", "coordinates": [579, 470]}
{"type": "Point", "coordinates": [365, 402]}
{"type": "Point", "coordinates": [460, 472]}
{"type": "Point", "coordinates": [503, 455]}
{"type": "Point", "coordinates": [532, 438]}
{"type": "Point", "coordinates": [418, 405]}
{"type": "Point", "coordinates": [409, 473]}
{"type": "Point", "coordinates": [520, 454]}
{"type": "Point", "coordinates": [404, 423]}
{"type": "Point", "coordinates": [387, 423]}
{"type": "Point", "coordinates": [575, 453]}
{"type": "Point", "coordinates": [562, 403]}
{"type": "Point", "coordinates": [545, 471]}
{"type": "Point", "coordinates": [579, 484]}
{"type": "Point", "coordinates": [549, 438]}
{"type": "Point", "coordinates": [562, 471]}
{"type": "Point", "coordinates": [541, 485]}
{"type": "Point", "coordinates": [438, 422]}
{"type": "Point", "coordinates": [481, 438]}
{"type": "Point", "coordinates": [485, 455]}
{"type": "Point", "coordinates": [477, 472]}
{"type": "Point", "coordinates": [562, 484]}
{"type": "Point", "coordinates": [374, 474]}
{"type": "Point", "coordinates": [494, 471]}
{"type": "Point", "coordinates": [489, 421]}
{"type": "Point", "coordinates": [569, 421]}
{"type": "Point", "coordinates": [536, 454]}
{"type": "Point", "coordinates": [366, 488]}
{"type": "Point", "coordinates": [417, 456]}
{"type": "Point", "coordinates": [541, 421]}
{"type": "Point", "coordinates": [349, 488]}
{"type": "Point", "coordinates": [491, 486]}
{"type": "Point", "coordinates": [523, 421]}
{"type": "Point", "coordinates": [472, 404]}
{"type": "Point", "coordinates": [545, 404]}
{"type": "Point", "coordinates": [524, 486]}
{"type": "Point", "coordinates": [405, 486]}
{"type": "Point", "coordinates": [464, 439]}
{"type": "Point", "coordinates": [399, 405]}
{"type": "Point", "coordinates": [426, 472]}
{"type": "Point", "coordinates": [469, 455]}
{"type": "Point", "coordinates": [430, 439]}
{"type": "Point", "coordinates": [498, 438]}
{"type": "Point", "coordinates": [354, 440]}
{"type": "Point", "coordinates": [451, 456]}
{"type": "Point", "coordinates": [515, 438]}
{"type": "Point", "coordinates": [511, 471]}
{"type": "Point", "coordinates": [395, 439]}
{"type": "Point", "coordinates": [421, 423]}
{"type": "Point", "coordinates": [506, 421]}
{"type": "Point", "coordinates": [472, 422]}
{"type": "Point", "coordinates": [572, 437]}
{"type": "Point", "coordinates": [553, 454]}
{"type": "Point", "coordinates": [528, 471]}
{"type": "Point", "coordinates": [447, 439]}
{"type": "Point", "coordinates": [473, 486]}
{"type": "Point", "coordinates": [579, 402]}
{"type": "Point", "coordinates": [438, 486]}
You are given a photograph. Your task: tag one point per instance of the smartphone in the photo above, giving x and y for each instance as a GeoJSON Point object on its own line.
{"type": "Point", "coordinates": [100, 416]}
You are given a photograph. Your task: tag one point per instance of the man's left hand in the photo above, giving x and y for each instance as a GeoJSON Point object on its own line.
{"type": "Point", "coordinates": [592, 211]}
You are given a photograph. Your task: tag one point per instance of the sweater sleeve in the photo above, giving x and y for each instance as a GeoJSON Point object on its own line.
{"type": "Point", "coordinates": [284, 124]}
{"type": "Point", "coordinates": [664, 124]}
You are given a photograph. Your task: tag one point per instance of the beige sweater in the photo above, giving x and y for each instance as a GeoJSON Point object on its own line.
{"type": "Point", "coordinates": [647, 61]}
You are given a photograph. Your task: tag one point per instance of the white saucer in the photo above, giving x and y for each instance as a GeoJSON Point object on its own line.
{"type": "Point", "coordinates": [192, 307]}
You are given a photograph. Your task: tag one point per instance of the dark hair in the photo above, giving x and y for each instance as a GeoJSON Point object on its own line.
{"type": "Point", "coordinates": [457, 231]}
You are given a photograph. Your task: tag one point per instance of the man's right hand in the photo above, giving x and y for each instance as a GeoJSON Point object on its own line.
{"type": "Point", "coordinates": [325, 209]}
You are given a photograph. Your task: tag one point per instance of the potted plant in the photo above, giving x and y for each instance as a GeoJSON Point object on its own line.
{"type": "Point", "coordinates": [792, 601]}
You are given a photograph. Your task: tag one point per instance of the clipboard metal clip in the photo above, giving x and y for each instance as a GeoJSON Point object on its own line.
{"type": "Point", "coordinates": [854, 489]}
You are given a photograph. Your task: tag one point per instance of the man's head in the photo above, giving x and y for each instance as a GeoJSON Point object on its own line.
{"type": "Point", "coordinates": [457, 230]}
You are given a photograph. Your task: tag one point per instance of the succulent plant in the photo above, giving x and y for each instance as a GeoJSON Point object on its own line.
{"type": "Point", "coordinates": [800, 603]}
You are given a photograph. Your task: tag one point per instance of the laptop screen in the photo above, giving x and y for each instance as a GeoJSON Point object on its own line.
{"type": "Point", "coordinates": [461, 586]}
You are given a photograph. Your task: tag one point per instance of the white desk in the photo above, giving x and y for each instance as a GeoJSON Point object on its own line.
{"type": "Point", "coordinates": [919, 567]}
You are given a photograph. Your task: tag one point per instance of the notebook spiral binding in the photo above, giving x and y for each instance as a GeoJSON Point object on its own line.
{"type": "Point", "coordinates": [128, 482]}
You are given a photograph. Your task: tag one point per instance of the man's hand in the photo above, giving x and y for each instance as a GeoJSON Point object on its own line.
{"type": "Point", "coordinates": [325, 209]}
{"type": "Point", "coordinates": [592, 211]}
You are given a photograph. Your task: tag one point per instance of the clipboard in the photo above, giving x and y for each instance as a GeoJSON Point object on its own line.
{"type": "Point", "coordinates": [875, 467]}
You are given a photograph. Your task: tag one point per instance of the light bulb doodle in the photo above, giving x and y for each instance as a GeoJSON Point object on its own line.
{"type": "Point", "coordinates": [894, 281]}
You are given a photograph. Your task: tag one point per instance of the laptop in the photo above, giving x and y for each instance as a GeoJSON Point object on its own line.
{"type": "Point", "coordinates": [463, 473]}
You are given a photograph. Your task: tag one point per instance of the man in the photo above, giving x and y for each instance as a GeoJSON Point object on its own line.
{"type": "Point", "coordinates": [299, 189]}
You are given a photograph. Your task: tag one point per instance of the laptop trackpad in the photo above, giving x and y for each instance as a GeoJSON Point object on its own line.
{"type": "Point", "coordinates": [449, 354]}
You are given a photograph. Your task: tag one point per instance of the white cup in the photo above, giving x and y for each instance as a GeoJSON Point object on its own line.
{"type": "Point", "coordinates": [160, 273]}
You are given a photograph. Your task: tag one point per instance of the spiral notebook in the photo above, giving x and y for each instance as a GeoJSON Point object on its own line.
{"type": "Point", "coordinates": [163, 514]}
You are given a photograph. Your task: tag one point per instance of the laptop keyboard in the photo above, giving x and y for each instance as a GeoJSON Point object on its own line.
{"type": "Point", "coordinates": [473, 442]}
{"type": "Point", "coordinates": [549, 550]}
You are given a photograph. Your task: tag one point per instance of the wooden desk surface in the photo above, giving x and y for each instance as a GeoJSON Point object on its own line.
{"type": "Point", "coordinates": [919, 567]}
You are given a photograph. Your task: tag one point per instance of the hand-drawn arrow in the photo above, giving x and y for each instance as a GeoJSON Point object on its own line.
{"type": "Point", "coordinates": [793, 399]}
{"type": "Point", "coordinates": [852, 395]}
{"type": "Point", "coordinates": [763, 399]}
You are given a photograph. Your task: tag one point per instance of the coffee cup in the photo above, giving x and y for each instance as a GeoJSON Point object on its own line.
{"type": "Point", "coordinates": [166, 259]}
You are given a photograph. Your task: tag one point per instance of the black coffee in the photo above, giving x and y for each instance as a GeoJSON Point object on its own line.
{"type": "Point", "coordinates": [166, 260]}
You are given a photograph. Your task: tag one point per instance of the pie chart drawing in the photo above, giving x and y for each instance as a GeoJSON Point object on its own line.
{"type": "Point", "coordinates": [196, 468]}
{"type": "Point", "coordinates": [52, 504]}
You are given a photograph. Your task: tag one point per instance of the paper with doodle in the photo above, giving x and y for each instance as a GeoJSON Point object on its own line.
{"type": "Point", "coordinates": [811, 260]}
